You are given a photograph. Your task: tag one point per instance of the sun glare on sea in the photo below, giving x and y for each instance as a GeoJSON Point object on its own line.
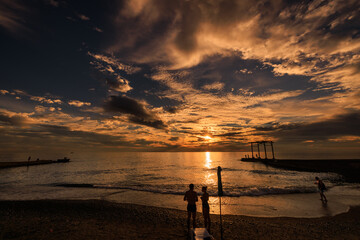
{"type": "Point", "coordinates": [208, 160]}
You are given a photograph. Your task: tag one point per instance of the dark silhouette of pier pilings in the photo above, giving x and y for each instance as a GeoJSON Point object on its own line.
{"type": "Point", "coordinates": [264, 143]}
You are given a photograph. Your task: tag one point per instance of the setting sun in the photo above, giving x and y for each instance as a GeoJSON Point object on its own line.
{"type": "Point", "coordinates": [207, 137]}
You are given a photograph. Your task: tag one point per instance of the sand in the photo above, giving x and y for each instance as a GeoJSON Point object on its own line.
{"type": "Point", "coordinates": [96, 219]}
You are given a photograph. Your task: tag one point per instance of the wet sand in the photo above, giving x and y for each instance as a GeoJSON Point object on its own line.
{"type": "Point", "coordinates": [96, 219]}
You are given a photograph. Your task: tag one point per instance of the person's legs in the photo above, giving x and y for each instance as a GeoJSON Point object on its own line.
{"type": "Point", "coordinates": [323, 196]}
{"type": "Point", "coordinates": [188, 220]}
{"type": "Point", "coordinates": [204, 215]}
{"type": "Point", "coordinates": [206, 218]}
{"type": "Point", "coordinates": [194, 219]}
{"type": "Point", "coordinates": [208, 221]}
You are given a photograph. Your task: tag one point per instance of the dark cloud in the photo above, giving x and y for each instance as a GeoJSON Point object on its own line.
{"type": "Point", "coordinates": [171, 109]}
{"type": "Point", "coordinates": [14, 120]}
{"type": "Point", "coordinates": [63, 137]}
{"type": "Point", "coordinates": [118, 83]}
{"type": "Point", "coordinates": [229, 134]}
{"type": "Point", "coordinates": [137, 111]}
{"type": "Point", "coordinates": [13, 14]}
{"type": "Point", "coordinates": [340, 125]}
{"type": "Point", "coordinates": [173, 138]}
{"type": "Point", "coordinates": [86, 137]}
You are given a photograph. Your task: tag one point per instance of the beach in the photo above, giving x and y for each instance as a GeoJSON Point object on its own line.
{"type": "Point", "coordinates": [129, 196]}
{"type": "Point", "coordinates": [96, 219]}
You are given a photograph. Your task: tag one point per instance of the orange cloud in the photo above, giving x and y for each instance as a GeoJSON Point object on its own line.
{"type": "Point", "coordinates": [78, 103]}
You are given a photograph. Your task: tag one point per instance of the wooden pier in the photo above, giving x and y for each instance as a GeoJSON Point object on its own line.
{"type": "Point", "coordinates": [257, 157]}
{"type": "Point", "coordinates": [31, 163]}
{"type": "Point", "coordinates": [348, 168]}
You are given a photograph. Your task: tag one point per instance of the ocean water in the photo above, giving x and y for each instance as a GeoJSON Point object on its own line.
{"type": "Point", "coordinates": [160, 179]}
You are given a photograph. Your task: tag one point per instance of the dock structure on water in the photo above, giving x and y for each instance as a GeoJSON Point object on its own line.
{"type": "Point", "coordinates": [32, 163]}
{"type": "Point", "coordinates": [257, 156]}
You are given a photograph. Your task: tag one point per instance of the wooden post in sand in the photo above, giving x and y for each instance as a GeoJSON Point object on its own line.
{"type": "Point", "coordinates": [265, 150]}
{"type": "Point", "coordinates": [252, 150]}
{"type": "Point", "coordinates": [220, 193]}
{"type": "Point", "coordinates": [272, 149]}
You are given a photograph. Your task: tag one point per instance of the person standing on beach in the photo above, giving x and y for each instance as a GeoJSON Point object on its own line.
{"type": "Point", "coordinates": [205, 208]}
{"type": "Point", "coordinates": [322, 188]}
{"type": "Point", "coordinates": [191, 198]}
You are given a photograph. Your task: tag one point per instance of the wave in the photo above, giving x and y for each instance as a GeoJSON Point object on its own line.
{"type": "Point", "coordinates": [261, 172]}
{"type": "Point", "coordinates": [261, 191]}
{"type": "Point", "coordinates": [175, 190]}
{"type": "Point", "coordinates": [282, 172]}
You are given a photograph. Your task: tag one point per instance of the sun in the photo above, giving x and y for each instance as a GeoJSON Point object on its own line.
{"type": "Point", "coordinates": [207, 137]}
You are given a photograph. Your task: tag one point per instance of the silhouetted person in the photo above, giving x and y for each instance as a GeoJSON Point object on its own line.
{"type": "Point", "coordinates": [206, 208]}
{"type": "Point", "coordinates": [321, 187]}
{"type": "Point", "coordinates": [191, 198]}
{"type": "Point", "coordinates": [28, 162]}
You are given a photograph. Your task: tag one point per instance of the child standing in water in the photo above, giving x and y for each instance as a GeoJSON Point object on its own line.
{"type": "Point", "coordinates": [322, 188]}
{"type": "Point", "coordinates": [206, 208]}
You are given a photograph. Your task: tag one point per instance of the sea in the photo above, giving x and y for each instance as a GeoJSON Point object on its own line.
{"type": "Point", "coordinates": [161, 178]}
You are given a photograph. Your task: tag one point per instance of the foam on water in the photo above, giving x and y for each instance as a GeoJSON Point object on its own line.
{"type": "Point", "coordinates": [176, 190]}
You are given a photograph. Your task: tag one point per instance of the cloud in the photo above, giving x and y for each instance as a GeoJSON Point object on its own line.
{"type": "Point", "coordinates": [214, 86]}
{"type": "Point", "coordinates": [78, 103]}
{"type": "Point", "coordinates": [119, 84]}
{"type": "Point", "coordinates": [174, 139]}
{"type": "Point", "coordinates": [4, 92]}
{"type": "Point", "coordinates": [20, 92]}
{"type": "Point", "coordinates": [41, 109]}
{"type": "Point", "coordinates": [98, 29]}
{"type": "Point", "coordinates": [104, 61]}
{"type": "Point", "coordinates": [137, 111]}
{"type": "Point", "coordinates": [45, 100]}
{"type": "Point", "coordinates": [349, 138]}
{"type": "Point", "coordinates": [53, 3]}
{"type": "Point", "coordinates": [313, 38]}
{"type": "Point", "coordinates": [83, 17]}
{"type": "Point", "coordinates": [86, 136]}
{"type": "Point", "coordinates": [337, 127]}
{"type": "Point", "coordinates": [13, 16]}
{"type": "Point", "coordinates": [15, 120]}
{"type": "Point", "coordinates": [112, 70]}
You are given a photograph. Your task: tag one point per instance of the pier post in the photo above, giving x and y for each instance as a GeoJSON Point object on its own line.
{"type": "Point", "coordinates": [252, 150]}
{"type": "Point", "coordinates": [265, 150]}
{"type": "Point", "coordinates": [272, 149]}
{"type": "Point", "coordinates": [258, 150]}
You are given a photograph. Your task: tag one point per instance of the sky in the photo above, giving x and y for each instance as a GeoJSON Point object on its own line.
{"type": "Point", "coordinates": [182, 75]}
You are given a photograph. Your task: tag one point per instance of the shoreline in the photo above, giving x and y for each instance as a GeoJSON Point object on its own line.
{"type": "Point", "coordinates": [98, 219]}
